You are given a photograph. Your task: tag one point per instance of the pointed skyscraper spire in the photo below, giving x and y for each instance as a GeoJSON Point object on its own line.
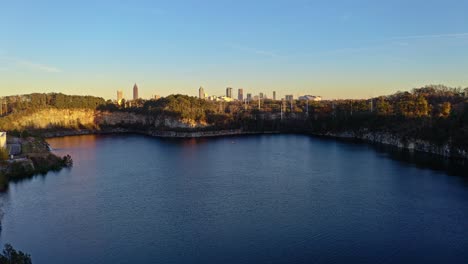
{"type": "Point", "coordinates": [135, 92]}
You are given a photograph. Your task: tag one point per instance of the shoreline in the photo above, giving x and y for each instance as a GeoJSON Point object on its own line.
{"type": "Point", "coordinates": [372, 138]}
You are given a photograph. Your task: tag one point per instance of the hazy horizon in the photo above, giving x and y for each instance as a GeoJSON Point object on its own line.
{"type": "Point", "coordinates": [339, 49]}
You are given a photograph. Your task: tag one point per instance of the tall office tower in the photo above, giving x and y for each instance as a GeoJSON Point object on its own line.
{"type": "Point", "coordinates": [201, 93]}
{"type": "Point", "coordinates": [249, 97]}
{"type": "Point", "coordinates": [229, 92]}
{"type": "Point", "coordinates": [274, 95]}
{"type": "Point", "coordinates": [135, 92]}
{"type": "Point", "coordinates": [289, 97]}
{"type": "Point", "coordinates": [240, 94]}
{"type": "Point", "coordinates": [119, 96]}
{"type": "Point", "coordinates": [260, 95]}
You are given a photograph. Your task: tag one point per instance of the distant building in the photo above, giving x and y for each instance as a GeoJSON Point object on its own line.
{"type": "Point", "coordinates": [135, 92]}
{"type": "Point", "coordinates": [260, 95]}
{"type": "Point", "coordinates": [240, 94]}
{"type": "Point", "coordinates": [119, 97]}
{"type": "Point", "coordinates": [289, 97]}
{"type": "Point", "coordinates": [201, 93]}
{"type": "Point", "coordinates": [249, 97]}
{"type": "Point", "coordinates": [229, 92]}
{"type": "Point", "coordinates": [274, 95]}
{"type": "Point", "coordinates": [3, 137]}
{"type": "Point", "coordinates": [156, 97]}
{"type": "Point", "coordinates": [310, 98]}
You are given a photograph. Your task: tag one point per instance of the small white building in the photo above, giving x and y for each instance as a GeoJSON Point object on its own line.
{"type": "Point", "coordinates": [3, 139]}
{"type": "Point", "coordinates": [310, 98]}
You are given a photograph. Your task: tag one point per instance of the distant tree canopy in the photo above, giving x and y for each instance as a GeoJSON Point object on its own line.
{"type": "Point", "coordinates": [36, 101]}
{"type": "Point", "coordinates": [11, 256]}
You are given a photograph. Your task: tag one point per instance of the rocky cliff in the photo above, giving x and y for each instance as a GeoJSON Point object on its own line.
{"type": "Point", "coordinates": [93, 119]}
{"type": "Point", "coordinates": [445, 150]}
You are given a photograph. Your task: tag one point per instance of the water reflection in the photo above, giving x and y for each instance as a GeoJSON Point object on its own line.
{"type": "Point", "coordinates": [253, 199]}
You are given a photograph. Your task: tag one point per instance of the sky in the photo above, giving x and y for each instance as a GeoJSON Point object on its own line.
{"type": "Point", "coordinates": [336, 49]}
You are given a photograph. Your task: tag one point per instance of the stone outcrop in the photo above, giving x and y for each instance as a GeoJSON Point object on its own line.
{"type": "Point", "coordinates": [62, 122]}
{"type": "Point", "coordinates": [93, 119]}
{"type": "Point", "coordinates": [404, 143]}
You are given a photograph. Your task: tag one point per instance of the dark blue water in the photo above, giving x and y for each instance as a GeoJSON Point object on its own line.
{"type": "Point", "coordinates": [256, 199]}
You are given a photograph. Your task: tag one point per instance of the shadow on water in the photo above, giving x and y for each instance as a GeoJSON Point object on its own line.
{"type": "Point", "coordinates": [449, 166]}
{"type": "Point", "coordinates": [421, 160]}
{"type": "Point", "coordinates": [455, 167]}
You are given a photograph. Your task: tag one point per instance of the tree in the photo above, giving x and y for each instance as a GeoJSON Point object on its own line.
{"type": "Point", "coordinates": [11, 256]}
{"type": "Point", "coordinates": [421, 107]}
{"type": "Point", "coordinates": [383, 107]}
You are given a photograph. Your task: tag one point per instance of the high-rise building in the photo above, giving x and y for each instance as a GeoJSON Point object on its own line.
{"type": "Point", "coordinates": [274, 95]}
{"type": "Point", "coordinates": [229, 92]}
{"type": "Point", "coordinates": [289, 97]}
{"type": "Point", "coordinates": [3, 138]}
{"type": "Point", "coordinates": [119, 96]}
{"type": "Point", "coordinates": [135, 92]}
{"type": "Point", "coordinates": [249, 97]}
{"type": "Point", "coordinates": [201, 93]}
{"type": "Point", "coordinates": [240, 94]}
{"type": "Point", "coordinates": [260, 95]}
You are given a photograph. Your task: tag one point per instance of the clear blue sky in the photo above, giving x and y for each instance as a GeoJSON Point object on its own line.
{"type": "Point", "coordinates": [337, 49]}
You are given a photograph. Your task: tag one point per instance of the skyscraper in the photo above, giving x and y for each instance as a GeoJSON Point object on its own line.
{"type": "Point", "coordinates": [274, 95]}
{"type": "Point", "coordinates": [249, 97]}
{"type": "Point", "coordinates": [119, 96]}
{"type": "Point", "coordinates": [260, 95]}
{"type": "Point", "coordinates": [135, 92]}
{"type": "Point", "coordinates": [229, 92]}
{"type": "Point", "coordinates": [240, 94]}
{"type": "Point", "coordinates": [201, 93]}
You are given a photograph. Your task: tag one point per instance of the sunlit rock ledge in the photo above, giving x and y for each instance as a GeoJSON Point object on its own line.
{"type": "Point", "coordinates": [65, 122]}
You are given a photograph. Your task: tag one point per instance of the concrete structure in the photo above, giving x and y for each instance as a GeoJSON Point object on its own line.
{"type": "Point", "coordinates": [274, 95]}
{"type": "Point", "coordinates": [261, 95]}
{"type": "Point", "coordinates": [3, 139]}
{"type": "Point", "coordinates": [135, 92]}
{"type": "Point", "coordinates": [240, 94]}
{"type": "Point", "coordinates": [289, 97]}
{"type": "Point", "coordinates": [310, 98]}
{"type": "Point", "coordinates": [201, 93]}
{"type": "Point", "coordinates": [229, 92]}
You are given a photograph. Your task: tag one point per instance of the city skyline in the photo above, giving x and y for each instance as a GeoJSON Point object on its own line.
{"type": "Point", "coordinates": [350, 50]}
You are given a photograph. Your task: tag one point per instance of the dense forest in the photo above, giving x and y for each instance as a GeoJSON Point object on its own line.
{"type": "Point", "coordinates": [37, 101]}
{"type": "Point", "coordinates": [436, 113]}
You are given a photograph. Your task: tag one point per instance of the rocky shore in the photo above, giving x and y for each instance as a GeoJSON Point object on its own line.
{"type": "Point", "coordinates": [444, 150]}
{"type": "Point", "coordinates": [32, 156]}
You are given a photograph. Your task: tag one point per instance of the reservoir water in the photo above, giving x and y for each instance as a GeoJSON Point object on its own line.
{"type": "Point", "coordinates": [252, 199]}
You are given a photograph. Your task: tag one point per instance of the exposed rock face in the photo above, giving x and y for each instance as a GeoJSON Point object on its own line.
{"type": "Point", "coordinates": [411, 144]}
{"type": "Point", "coordinates": [85, 121]}
{"type": "Point", "coordinates": [91, 119]}
{"type": "Point", "coordinates": [56, 118]}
